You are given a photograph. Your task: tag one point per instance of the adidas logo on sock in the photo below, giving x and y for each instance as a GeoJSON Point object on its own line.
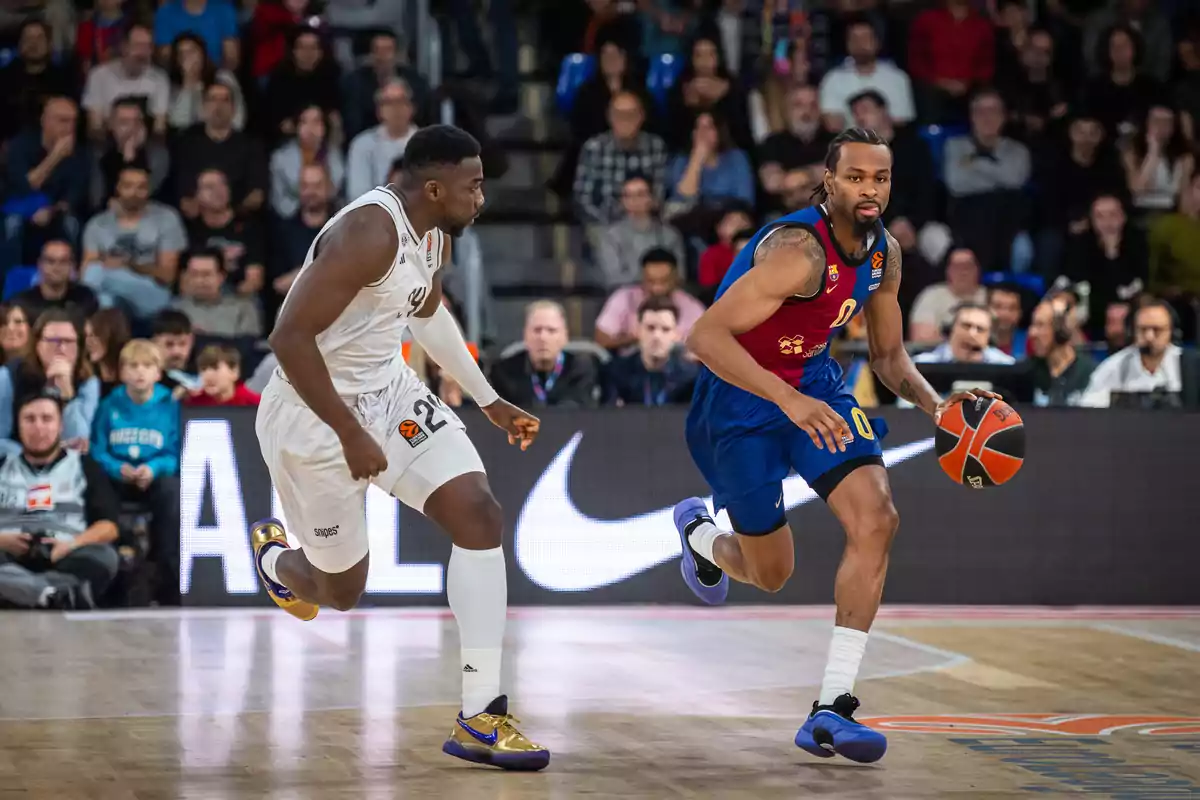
{"type": "Point", "coordinates": [469, 668]}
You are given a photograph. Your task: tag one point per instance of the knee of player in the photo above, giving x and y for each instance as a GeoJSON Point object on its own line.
{"type": "Point", "coordinates": [773, 576]}
{"type": "Point", "coordinates": [877, 527]}
{"type": "Point", "coordinates": [343, 595]}
{"type": "Point", "coordinates": [487, 523]}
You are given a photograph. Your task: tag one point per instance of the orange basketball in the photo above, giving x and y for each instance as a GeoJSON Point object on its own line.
{"type": "Point", "coordinates": [981, 442]}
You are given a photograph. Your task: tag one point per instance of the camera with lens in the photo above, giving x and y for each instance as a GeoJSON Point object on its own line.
{"type": "Point", "coordinates": [41, 544]}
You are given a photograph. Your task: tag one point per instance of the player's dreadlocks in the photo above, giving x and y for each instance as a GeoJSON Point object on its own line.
{"type": "Point", "coordinates": [848, 136]}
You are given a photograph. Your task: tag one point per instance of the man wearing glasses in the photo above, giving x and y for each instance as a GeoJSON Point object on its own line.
{"type": "Point", "coordinates": [1149, 372]}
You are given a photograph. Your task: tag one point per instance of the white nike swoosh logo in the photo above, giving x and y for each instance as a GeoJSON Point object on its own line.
{"type": "Point", "coordinates": [563, 550]}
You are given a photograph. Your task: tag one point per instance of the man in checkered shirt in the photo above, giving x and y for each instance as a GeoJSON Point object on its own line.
{"type": "Point", "coordinates": [611, 158]}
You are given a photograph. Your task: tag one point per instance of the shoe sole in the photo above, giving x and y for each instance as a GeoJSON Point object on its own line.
{"type": "Point", "coordinates": [857, 751]}
{"type": "Point", "coordinates": [687, 568]}
{"type": "Point", "coordinates": [517, 762]}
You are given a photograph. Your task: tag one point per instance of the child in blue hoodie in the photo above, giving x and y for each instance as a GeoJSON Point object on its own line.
{"type": "Point", "coordinates": [135, 438]}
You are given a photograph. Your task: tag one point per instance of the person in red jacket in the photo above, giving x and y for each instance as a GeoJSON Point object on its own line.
{"type": "Point", "coordinates": [269, 28]}
{"type": "Point", "coordinates": [951, 51]}
{"type": "Point", "coordinates": [221, 379]}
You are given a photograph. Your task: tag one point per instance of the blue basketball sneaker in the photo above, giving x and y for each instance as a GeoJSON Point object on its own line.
{"type": "Point", "coordinates": [708, 581]}
{"type": "Point", "coordinates": [831, 729]}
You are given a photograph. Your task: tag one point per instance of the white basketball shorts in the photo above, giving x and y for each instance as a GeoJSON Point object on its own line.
{"type": "Point", "coordinates": [323, 507]}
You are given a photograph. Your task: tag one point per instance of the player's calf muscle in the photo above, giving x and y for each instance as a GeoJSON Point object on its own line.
{"type": "Point", "coordinates": [341, 590]}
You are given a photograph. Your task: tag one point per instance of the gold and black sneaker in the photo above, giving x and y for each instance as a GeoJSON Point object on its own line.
{"type": "Point", "coordinates": [491, 738]}
{"type": "Point", "coordinates": [265, 534]}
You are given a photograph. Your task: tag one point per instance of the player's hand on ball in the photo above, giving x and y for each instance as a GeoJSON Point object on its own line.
{"type": "Point", "coordinates": [363, 455]}
{"type": "Point", "coordinates": [824, 426]}
{"type": "Point", "coordinates": [521, 426]}
{"type": "Point", "coordinates": [958, 397]}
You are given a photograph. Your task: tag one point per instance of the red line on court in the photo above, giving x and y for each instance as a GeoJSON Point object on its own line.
{"type": "Point", "coordinates": [739, 613]}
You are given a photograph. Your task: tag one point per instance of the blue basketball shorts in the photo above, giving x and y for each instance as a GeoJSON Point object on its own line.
{"type": "Point", "coordinates": [745, 447]}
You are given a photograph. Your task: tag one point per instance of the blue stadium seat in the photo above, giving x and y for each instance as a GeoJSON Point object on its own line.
{"type": "Point", "coordinates": [1030, 282]}
{"type": "Point", "coordinates": [18, 280]}
{"type": "Point", "coordinates": [576, 69]}
{"type": "Point", "coordinates": [664, 71]}
{"type": "Point", "coordinates": [935, 137]}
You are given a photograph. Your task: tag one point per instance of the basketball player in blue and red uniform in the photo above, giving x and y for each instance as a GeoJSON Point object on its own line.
{"type": "Point", "coordinates": [770, 399]}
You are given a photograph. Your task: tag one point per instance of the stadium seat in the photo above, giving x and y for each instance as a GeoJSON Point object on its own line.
{"type": "Point", "coordinates": [935, 137]}
{"type": "Point", "coordinates": [576, 69]}
{"type": "Point", "coordinates": [665, 69]}
{"type": "Point", "coordinates": [1030, 282]}
{"type": "Point", "coordinates": [18, 280]}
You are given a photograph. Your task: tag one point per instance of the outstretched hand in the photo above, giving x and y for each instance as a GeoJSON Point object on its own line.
{"type": "Point", "coordinates": [521, 426]}
{"type": "Point", "coordinates": [958, 397]}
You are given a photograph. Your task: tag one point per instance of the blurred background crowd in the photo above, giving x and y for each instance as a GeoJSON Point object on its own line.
{"type": "Point", "coordinates": [168, 164]}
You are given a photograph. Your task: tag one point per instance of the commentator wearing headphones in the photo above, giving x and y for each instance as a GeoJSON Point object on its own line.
{"type": "Point", "coordinates": [1148, 373]}
{"type": "Point", "coordinates": [967, 339]}
{"type": "Point", "coordinates": [1060, 372]}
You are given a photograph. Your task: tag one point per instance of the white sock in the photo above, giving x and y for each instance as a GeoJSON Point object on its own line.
{"type": "Point", "coordinates": [268, 562]}
{"type": "Point", "coordinates": [702, 538]}
{"type": "Point", "coordinates": [477, 588]}
{"type": "Point", "coordinates": [845, 655]}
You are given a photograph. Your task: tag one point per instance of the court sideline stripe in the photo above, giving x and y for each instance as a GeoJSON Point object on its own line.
{"type": "Point", "coordinates": [1148, 636]}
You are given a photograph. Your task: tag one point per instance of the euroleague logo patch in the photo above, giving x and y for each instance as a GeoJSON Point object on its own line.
{"type": "Point", "coordinates": [413, 433]}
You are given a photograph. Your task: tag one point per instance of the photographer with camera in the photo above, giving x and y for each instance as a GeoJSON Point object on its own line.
{"type": "Point", "coordinates": [58, 514]}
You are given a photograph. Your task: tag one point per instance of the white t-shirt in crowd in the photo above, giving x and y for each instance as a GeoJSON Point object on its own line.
{"type": "Point", "coordinates": [935, 304]}
{"type": "Point", "coordinates": [1124, 372]}
{"type": "Point", "coordinates": [108, 83]}
{"type": "Point", "coordinates": [844, 82]}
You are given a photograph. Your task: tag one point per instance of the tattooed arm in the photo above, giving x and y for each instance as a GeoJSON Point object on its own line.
{"type": "Point", "coordinates": [885, 333]}
{"type": "Point", "coordinates": [789, 262]}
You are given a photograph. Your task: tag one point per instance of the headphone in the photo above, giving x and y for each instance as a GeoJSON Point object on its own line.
{"type": "Point", "coordinates": [1152, 302]}
{"type": "Point", "coordinates": [970, 305]}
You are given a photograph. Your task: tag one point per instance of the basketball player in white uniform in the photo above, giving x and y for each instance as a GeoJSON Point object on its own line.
{"type": "Point", "coordinates": [343, 410]}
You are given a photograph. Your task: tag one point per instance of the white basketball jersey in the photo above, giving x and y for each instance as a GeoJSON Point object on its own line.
{"type": "Point", "coordinates": [362, 348]}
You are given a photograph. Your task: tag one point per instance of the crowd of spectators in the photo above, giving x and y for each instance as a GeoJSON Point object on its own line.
{"type": "Point", "coordinates": [167, 166]}
{"type": "Point", "coordinates": [1044, 158]}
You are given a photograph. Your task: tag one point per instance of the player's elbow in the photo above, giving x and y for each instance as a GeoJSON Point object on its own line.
{"type": "Point", "coordinates": [281, 338]}
{"type": "Point", "coordinates": [698, 339]}
{"type": "Point", "coordinates": [885, 359]}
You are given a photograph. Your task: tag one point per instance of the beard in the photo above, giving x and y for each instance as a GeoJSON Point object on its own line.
{"type": "Point", "coordinates": [862, 227]}
{"type": "Point", "coordinates": [43, 454]}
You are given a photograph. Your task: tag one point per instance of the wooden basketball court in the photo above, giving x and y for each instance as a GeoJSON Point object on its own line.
{"type": "Point", "coordinates": [634, 703]}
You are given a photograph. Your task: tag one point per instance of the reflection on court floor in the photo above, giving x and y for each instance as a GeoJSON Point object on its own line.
{"type": "Point", "coordinates": [634, 702]}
